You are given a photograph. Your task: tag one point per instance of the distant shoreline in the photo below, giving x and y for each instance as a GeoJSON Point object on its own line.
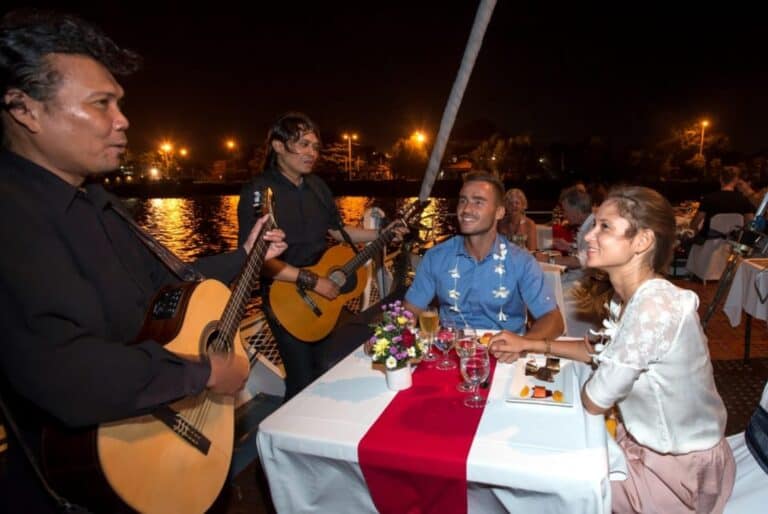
{"type": "Point", "coordinates": [542, 194]}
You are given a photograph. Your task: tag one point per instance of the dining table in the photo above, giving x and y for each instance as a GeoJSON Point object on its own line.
{"type": "Point", "coordinates": [523, 457]}
{"type": "Point", "coordinates": [748, 294]}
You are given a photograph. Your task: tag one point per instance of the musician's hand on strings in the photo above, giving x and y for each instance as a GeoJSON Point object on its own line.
{"type": "Point", "coordinates": [229, 372]}
{"type": "Point", "coordinates": [277, 244]}
{"type": "Point", "coordinates": [275, 237]}
{"type": "Point", "coordinates": [326, 288]}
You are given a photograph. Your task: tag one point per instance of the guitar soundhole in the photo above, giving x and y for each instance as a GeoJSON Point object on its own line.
{"type": "Point", "coordinates": [346, 284]}
{"type": "Point", "coordinates": [209, 337]}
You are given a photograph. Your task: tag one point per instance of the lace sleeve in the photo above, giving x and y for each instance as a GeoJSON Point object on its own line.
{"type": "Point", "coordinates": [647, 330]}
{"type": "Point", "coordinates": [650, 324]}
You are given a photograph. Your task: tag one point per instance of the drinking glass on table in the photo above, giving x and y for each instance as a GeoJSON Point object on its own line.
{"type": "Point", "coordinates": [446, 337]}
{"type": "Point", "coordinates": [466, 341]}
{"type": "Point", "coordinates": [429, 320]}
{"type": "Point", "coordinates": [475, 369]}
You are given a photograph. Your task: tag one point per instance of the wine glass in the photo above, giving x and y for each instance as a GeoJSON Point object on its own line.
{"type": "Point", "coordinates": [475, 369]}
{"type": "Point", "coordinates": [446, 337]}
{"type": "Point", "coordinates": [428, 323]}
{"type": "Point", "coordinates": [466, 341]}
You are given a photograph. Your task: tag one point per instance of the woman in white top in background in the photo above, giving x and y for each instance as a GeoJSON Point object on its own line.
{"type": "Point", "coordinates": [515, 225]}
{"type": "Point", "coordinates": [656, 367]}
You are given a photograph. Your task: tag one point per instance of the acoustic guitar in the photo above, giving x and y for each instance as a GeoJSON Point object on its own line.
{"type": "Point", "coordinates": [309, 316]}
{"type": "Point", "coordinates": [176, 458]}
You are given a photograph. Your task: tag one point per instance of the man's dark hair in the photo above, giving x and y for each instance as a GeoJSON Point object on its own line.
{"type": "Point", "coordinates": [28, 36]}
{"type": "Point", "coordinates": [288, 128]}
{"type": "Point", "coordinates": [484, 176]}
{"type": "Point", "coordinates": [728, 174]}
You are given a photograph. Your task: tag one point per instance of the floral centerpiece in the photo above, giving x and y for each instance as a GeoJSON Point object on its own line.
{"type": "Point", "coordinates": [394, 341]}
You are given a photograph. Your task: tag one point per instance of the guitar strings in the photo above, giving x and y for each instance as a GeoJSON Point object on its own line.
{"type": "Point", "coordinates": [198, 415]}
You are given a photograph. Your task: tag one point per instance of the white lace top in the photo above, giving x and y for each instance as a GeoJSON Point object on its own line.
{"type": "Point", "coordinates": [657, 369]}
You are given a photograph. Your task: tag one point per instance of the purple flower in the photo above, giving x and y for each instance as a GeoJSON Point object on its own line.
{"type": "Point", "coordinates": [393, 351]}
{"type": "Point", "coordinates": [390, 327]}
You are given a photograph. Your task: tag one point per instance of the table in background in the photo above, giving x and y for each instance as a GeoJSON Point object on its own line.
{"type": "Point", "coordinates": [524, 458]}
{"type": "Point", "coordinates": [749, 283]}
{"type": "Point", "coordinates": [544, 236]}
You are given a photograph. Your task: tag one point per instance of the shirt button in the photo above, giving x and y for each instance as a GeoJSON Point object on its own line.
{"type": "Point", "coordinates": [549, 298]}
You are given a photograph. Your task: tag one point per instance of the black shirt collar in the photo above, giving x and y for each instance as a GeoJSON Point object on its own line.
{"type": "Point", "coordinates": [54, 191]}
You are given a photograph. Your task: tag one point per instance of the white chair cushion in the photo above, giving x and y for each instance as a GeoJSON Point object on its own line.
{"type": "Point", "coordinates": [750, 490]}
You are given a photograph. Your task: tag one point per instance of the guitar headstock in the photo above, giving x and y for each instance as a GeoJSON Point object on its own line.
{"type": "Point", "coordinates": [264, 203]}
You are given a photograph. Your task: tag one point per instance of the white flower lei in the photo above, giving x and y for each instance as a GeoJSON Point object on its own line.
{"type": "Point", "coordinates": [498, 268]}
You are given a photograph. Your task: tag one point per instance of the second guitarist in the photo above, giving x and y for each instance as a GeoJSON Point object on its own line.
{"type": "Point", "coordinates": [306, 211]}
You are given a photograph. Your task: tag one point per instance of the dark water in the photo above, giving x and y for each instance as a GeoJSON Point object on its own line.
{"type": "Point", "coordinates": [205, 225]}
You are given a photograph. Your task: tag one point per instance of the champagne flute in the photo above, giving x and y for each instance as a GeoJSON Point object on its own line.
{"type": "Point", "coordinates": [444, 341]}
{"type": "Point", "coordinates": [428, 323]}
{"type": "Point", "coordinates": [466, 341]}
{"type": "Point", "coordinates": [475, 369]}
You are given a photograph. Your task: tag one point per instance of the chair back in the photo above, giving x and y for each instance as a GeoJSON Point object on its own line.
{"type": "Point", "coordinates": [725, 222]}
{"type": "Point", "coordinates": [553, 276]}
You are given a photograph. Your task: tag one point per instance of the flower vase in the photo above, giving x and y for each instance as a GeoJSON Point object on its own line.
{"type": "Point", "coordinates": [399, 378]}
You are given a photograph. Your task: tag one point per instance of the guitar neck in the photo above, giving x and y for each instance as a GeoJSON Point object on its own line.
{"type": "Point", "coordinates": [241, 295]}
{"type": "Point", "coordinates": [366, 253]}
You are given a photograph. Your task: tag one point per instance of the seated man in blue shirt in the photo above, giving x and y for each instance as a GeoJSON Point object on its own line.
{"type": "Point", "coordinates": [480, 279]}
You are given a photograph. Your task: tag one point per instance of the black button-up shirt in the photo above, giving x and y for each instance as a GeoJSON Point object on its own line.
{"type": "Point", "coordinates": [304, 212]}
{"type": "Point", "coordinates": [75, 284]}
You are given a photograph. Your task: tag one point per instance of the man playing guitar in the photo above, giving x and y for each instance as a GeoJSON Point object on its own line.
{"type": "Point", "coordinates": [306, 211]}
{"type": "Point", "coordinates": [75, 279]}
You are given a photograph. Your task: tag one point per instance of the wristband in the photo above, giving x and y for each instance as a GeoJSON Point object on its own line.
{"type": "Point", "coordinates": [306, 279]}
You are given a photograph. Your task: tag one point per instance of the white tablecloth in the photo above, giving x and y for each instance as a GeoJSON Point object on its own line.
{"type": "Point", "coordinates": [525, 458]}
{"type": "Point", "coordinates": [743, 296]}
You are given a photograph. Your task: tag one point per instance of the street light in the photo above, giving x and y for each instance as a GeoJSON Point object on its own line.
{"type": "Point", "coordinates": [419, 137]}
{"type": "Point", "coordinates": [704, 125]}
{"type": "Point", "coordinates": [166, 150]}
{"type": "Point", "coordinates": [230, 144]}
{"type": "Point", "coordinates": [349, 138]}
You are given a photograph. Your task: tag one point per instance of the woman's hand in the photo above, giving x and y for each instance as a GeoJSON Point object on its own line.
{"type": "Point", "coordinates": [508, 347]}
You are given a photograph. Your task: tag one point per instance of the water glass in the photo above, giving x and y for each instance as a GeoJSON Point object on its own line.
{"type": "Point", "coordinates": [475, 369]}
{"type": "Point", "coordinates": [466, 341]}
{"type": "Point", "coordinates": [444, 341]}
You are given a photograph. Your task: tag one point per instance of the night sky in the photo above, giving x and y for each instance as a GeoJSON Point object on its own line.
{"type": "Point", "coordinates": [559, 72]}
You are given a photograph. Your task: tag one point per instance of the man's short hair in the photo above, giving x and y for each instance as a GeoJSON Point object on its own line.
{"type": "Point", "coordinates": [484, 176]}
{"type": "Point", "coordinates": [729, 173]}
{"type": "Point", "coordinates": [577, 198]}
{"type": "Point", "coordinates": [29, 36]}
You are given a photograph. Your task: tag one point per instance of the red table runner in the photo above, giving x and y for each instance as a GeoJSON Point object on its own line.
{"type": "Point", "coordinates": [414, 457]}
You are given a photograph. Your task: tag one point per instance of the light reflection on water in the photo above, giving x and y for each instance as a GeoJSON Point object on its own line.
{"type": "Point", "coordinates": [205, 225]}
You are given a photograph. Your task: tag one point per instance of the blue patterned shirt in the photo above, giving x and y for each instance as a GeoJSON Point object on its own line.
{"type": "Point", "coordinates": [491, 294]}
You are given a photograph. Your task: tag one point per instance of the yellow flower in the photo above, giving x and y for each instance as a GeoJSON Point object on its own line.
{"type": "Point", "coordinates": [381, 345]}
{"type": "Point", "coordinates": [402, 320]}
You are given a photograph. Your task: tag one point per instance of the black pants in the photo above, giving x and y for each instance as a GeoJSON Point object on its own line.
{"type": "Point", "coordinates": [304, 362]}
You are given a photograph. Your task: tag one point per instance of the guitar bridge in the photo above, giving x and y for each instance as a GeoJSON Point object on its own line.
{"type": "Point", "coordinates": [183, 428]}
{"type": "Point", "coordinates": [309, 301]}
